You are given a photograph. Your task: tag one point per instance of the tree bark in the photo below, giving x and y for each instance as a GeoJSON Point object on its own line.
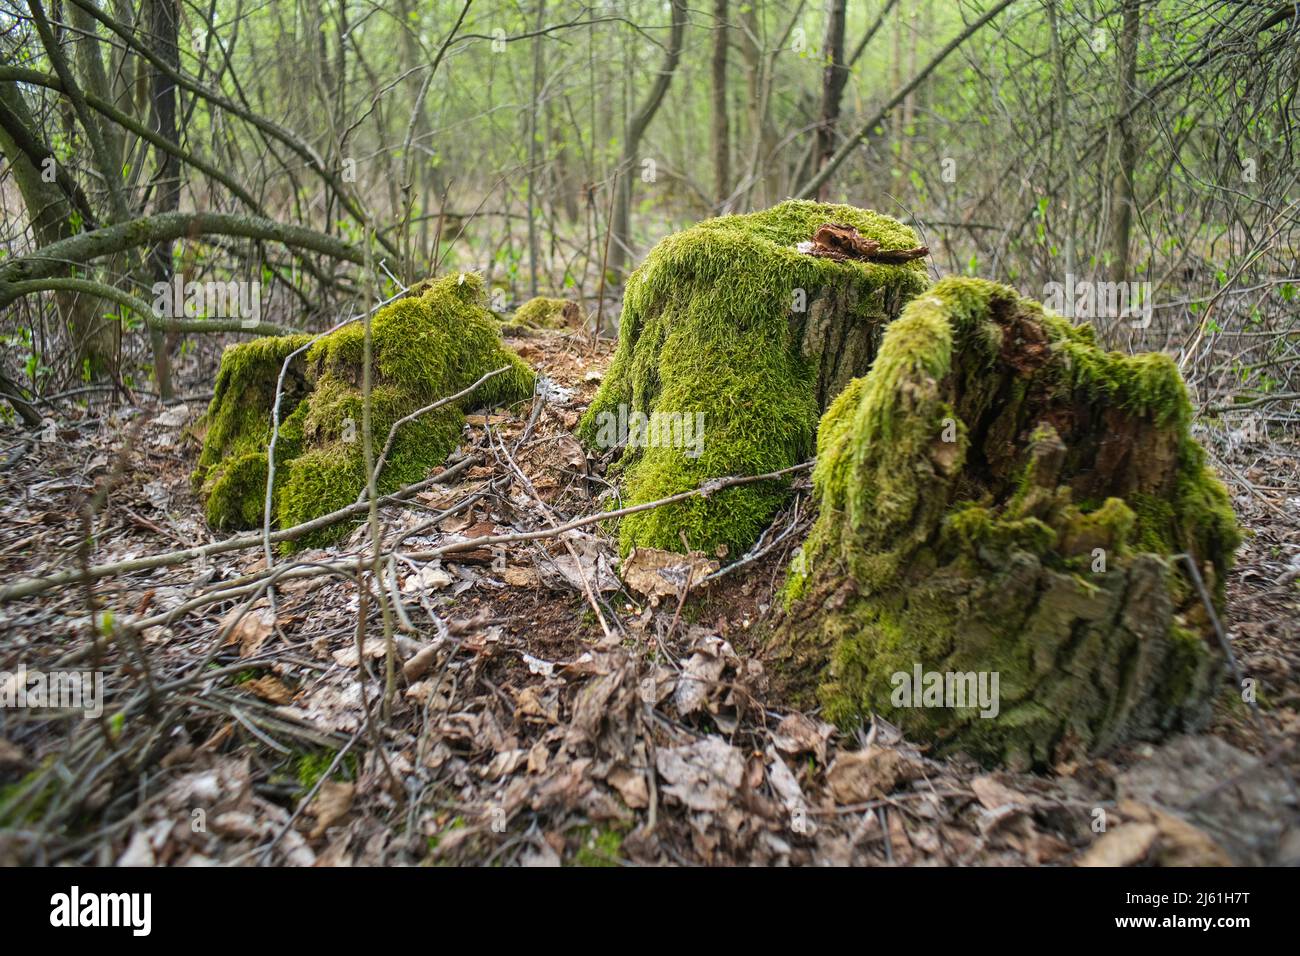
{"type": "Point", "coordinates": [721, 139]}
{"type": "Point", "coordinates": [48, 260]}
{"type": "Point", "coordinates": [1000, 496]}
{"type": "Point", "coordinates": [50, 208]}
{"type": "Point", "coordinates": [636, 128]}
{"type": "Point", "coordinates": [534, 113]}
{"type": "Point", "coordinates": [834, 75]}
{"type": "Point", "coordinates": [1121, 220]}
{"type": "Point", "coordinates": [163, 23]}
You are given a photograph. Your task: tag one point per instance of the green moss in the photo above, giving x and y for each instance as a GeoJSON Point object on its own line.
{"type": "Point", "coordinates": [948, 539]}
{"type": "Point", "coordinates": [231, 470]}
{"type": "Point", "coordinates": [882, 453]}
{"type": "Point", "coordinates": [598, 847]}
{"type": "Point", "coordinates": [542, 312]}
{"type": "Point", "coordinates": [1206, 526]}
{"type": "Point", "coordinates": [426, 347]}
{"type": "Point", "coordinates": [312, 766]}
{"type": "Point", "coordinates": [973, 527]}
{"type": "Point", "coordinates": [1109, 528]}
{"type": "Point", "coordinates": [1147, 384]}
{"type": "Point", "coordinates": [24, 801]}
{"type": "Point", "coordinates": [712, 325]}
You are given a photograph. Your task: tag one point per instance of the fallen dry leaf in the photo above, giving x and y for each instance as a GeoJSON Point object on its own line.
{"type": "Point", "coordinates": [797, 734]}
{"type": "Point", "coordinates": [840, 242]}
{"type": "Point", "coordinates": [249, 629]}
{"type": "Point", "coordinates": [503, 764]}
{"type": "Point", "coordinates": [704, 775]}
{"type": "Point", "coordinates": [139, 852]}
{"type": "Point", "coordinates": [332, 803]}
{"type": "Point", "coordinates": [519, 577]}
{"type": "Point", "coordinates": [656, 574]}
{"type": "Point", "coordinates": [271, 688]}
{"type": "Point", "coordinates": [993, 794]}
{"type": "Point", "coordinates": [1125, 845]}
{"type": "Point", "coordinates": [531, 703]}
{"type": "Point", "coordinates": [10, 755]}
{"type": "Point", "coordinates": [869, 774]}
{"type": "Point", "coordinates": [784, 783]}
{"type": "Point", "coordinates": [631, 786]}
{"type": "Point", "coordinates": [347, 656]}
{"type": "Point", "coordinates": [589, 565]}
{"type": "Point", "coordinates": [428, 578]}
{"type": "Point", "coordinates": [1179, 843]}
{"type": "Point", "coordinates": [488, 419]}
{"type": "Point", "coordinates": [701, 673]}
{"type": "Point", "coordinates": [420, 662]}
{"type": "Point", "coordinates": [538, 758]}
{"type": "Point", "coordinates": [174, 417]}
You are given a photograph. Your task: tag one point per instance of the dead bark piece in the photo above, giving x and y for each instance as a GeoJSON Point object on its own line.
{"type": "Point", "coordinates": [896, 257]}
{"type": "Point", "coordinates": [841, 242]}
{"type": "Point", "coordinates": [991, 568]}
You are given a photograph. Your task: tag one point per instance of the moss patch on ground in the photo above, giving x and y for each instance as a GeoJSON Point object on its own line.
{"type": "Point", "coordinates": [598, 847]}
{"type": "Point", "coordinates": [731, 340]}
{"type": "Point", "coordinates": [545, 312]}
{"type": "Point", "coordinates": [999, 496]}
{"type": "Point", "coordinates": [425, 347]}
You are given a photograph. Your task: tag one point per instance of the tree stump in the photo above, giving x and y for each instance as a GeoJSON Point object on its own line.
{"type": "Point", "coordinates": [732, 343]}
{"type": "Point", "coordinates": [1001, 504]}
{"type": "Point", "coordinates": [426, 346]}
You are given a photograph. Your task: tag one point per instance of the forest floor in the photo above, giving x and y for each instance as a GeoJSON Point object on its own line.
{"type": "Point", "coordinates": [531, 728]}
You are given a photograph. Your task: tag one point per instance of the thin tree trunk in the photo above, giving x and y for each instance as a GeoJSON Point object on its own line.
{"type": "Point", "coordinates": [871, 31]}
{"type": "Point", "coordinates": [834, 76]}
{"type": "Point", "coordinates": [762, 75]}
{"type": "Point", "coordinates": [1067, 139]}
{"type": "Point", "coordinates": [752, 52]}
{"type": "Point", "coordinates": [909, 102]}
{"type": "Point", "coordinates": [811, 187]}
{"type": "Point", "coordinates": [896, 74]}
{"type": "Point", "coordinates": [105, 149]}
{"type": "Point", "coordinates": [721, 127]}
{"type": "Point", "coordinates": [1121, 221]}
{"type": "Point", "coordinates": [163, 25]}
{"type": "Point", "coordinates": [636, 127]}
{"type": "Point", "coordinates": [534, 112]}
{"type": "Point", "coordinates": [50, 206]}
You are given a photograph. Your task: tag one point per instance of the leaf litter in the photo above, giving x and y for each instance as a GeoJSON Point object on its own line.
{"type": "Point", "coordinates": [522, 731]}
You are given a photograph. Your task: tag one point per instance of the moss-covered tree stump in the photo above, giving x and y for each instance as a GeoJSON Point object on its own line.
{"type": "Point", "coordinates": [732, 342]}
{"type": "Point", "coordinates": [999, 497]}
{"type": "Point", "coordinates": [544, 313]}
{"type": "Point", "coordinates": [231, 471]}
{"type": "Point", "coordinates": [425, 347]}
